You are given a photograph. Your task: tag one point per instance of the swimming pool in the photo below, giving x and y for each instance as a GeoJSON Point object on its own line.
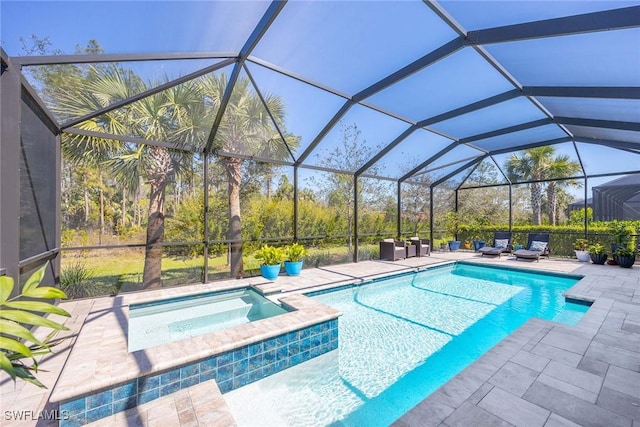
{"type": "Point", "coordinates": [399, 340]}
{"type": "Point", "coordinates": [160, 322]}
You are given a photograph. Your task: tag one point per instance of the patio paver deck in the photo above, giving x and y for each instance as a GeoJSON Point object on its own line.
{"type": "Point", "coordinates": [543, 374]}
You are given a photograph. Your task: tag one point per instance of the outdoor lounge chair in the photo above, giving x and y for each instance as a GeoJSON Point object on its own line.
{"type": "Point", "coordinates": [423, 246]}
{"type": "Point", "coordinates": [537, 246]}
{"type": "Point", "coordinates": [501, 243]}
{"type": "Point", "coordinates": [393, 250]}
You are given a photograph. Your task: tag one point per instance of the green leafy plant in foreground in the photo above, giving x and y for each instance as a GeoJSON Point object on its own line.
{"type": "Point", "coordinates": [16, 341]}
{"type": "Point", "coordinates": [270, 255]}
{"type": "Point", "coordinates": [295, 252]}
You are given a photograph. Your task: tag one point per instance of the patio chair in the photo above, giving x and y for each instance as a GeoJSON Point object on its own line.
{"type": "Point", "coordinates": [537, 246]}
{"type": "Point", "coordinates": [393, 250]}
{"type": "Point", "coordinates": [501, 243]}
{"type": "Point", "coordinates": [423, 246]}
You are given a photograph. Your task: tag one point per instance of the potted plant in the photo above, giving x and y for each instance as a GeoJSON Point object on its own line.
{"type": "Point", "coordinates": [621, 235]}
{"type": "Point", "coordinates": [580, 247]}
{"type": "Point", "coordinates": [271, 258]}
{"type": "Point", "coordinates": [625, 257]}
{"type": "Point", "coordinates": [597, 254]}
{"type": "Point", "coordinates": [293, 262]}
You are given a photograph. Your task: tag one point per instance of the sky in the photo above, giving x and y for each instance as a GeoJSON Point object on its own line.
{"type": "Point", "coordinates": [349, 45]}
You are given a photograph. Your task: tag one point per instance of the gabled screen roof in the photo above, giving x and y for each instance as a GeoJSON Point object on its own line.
{"type": "Point", "coordinates": [426, 86]}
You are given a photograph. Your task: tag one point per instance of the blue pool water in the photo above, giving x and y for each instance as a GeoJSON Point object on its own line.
{"type": "Point", "coordinates": [399, 340]}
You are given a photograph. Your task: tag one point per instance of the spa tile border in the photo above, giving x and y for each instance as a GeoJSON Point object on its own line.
{"type": "Point", "coordinates": [230, 370]}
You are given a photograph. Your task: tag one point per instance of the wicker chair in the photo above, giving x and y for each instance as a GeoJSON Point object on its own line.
{"type": "Point", "coordinates": [423, 246]}
{"type": "Point", "coordinates": [393, 249]}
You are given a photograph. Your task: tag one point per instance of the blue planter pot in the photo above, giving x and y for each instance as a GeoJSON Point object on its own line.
{"type": "Point", "coordinates": [293, 268]}
{"type": "Point", "coordinates": [477, 244]}
{"type": "Point", "coordinates": [270, 272]}
{"type": "Point", "coordinates": [454, 245]}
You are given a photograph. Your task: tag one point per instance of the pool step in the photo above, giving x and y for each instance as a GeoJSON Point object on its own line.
{"type": "Point", "coordinates": [200, 405]}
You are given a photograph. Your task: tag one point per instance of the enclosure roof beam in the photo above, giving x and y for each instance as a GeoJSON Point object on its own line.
{"type": "Point", "coordinates": [607, 124]}
{"type": "Point", "coordinates": [335, 119]}
{"type": "Point", "coordinates": [258, 32]}
{"type": "Point", "coordinates": [609, 143]}
{"type": "Point", "coordinates": [608, 92]}
{"type": "Point", "coordinates": [417, 65]}
{"type": "Point", "coordinates": [627, 17]}
{"type": "Point", "coordinates": [430, 58]}
{"type": "Point", "coordinates": [428, 161]}
{"type": "Point", "coordinates": [531, 145]}
{"type": "Point", "coordinates": [458, 170]}
{"type": "Point", "coordinates": [473, 169]}
{"type": "Point", "coordinates": [98, 58]}
{"type": "Point", "coordinates": [49, 118]}
{"type": "Point", "coordinates": [504, 131]}
{"type": "Point", "coordinates": [497, 99]}
{"type": "Point", "coordinates": [149, 92]}
{"type": "Point", "coordinates": [131, 139]}
{"type": "Point", "coordinates": [386, 149]}
{"type": "Point", "coordinates": [266, 107]}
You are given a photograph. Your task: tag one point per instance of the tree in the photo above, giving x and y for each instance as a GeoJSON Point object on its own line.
{"type": "Point", "coordinates": [172, 116]}
{"type": "Point", "coordinates": [531, 164]}
{"type": "Point", "coordinates": [246, 129]}
{"type": "Point", "coordinates": [348, 154]}
{"type": "Point", "coordinates": [561, 166]}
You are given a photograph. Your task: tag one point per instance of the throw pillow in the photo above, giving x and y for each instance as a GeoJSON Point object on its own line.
{"type": "Point", "coordinates": [538, 246]}
{"type": "Point", "coordinates": [389, 240]}
{"type": "Point", "coordinates": [502, 243]}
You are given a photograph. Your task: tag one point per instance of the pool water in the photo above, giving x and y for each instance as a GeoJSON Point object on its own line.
{"type": "Point", "coordinates": [160, 322]}
{"type": "Point", "coordinates": [399, 340]}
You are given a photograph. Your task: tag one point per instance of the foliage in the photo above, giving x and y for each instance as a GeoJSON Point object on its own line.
{"type": "Point", "coordinates": [581, 244]}
{"type": "Point", "coordinates": [295, 252]}
{"type": "Point", "coordinates": [15, 338]}
{"type": "Point", "coordinates": [270, 255]}
{"type": "Point", "coordinates": [576, 217]}
{"type": "Point", "coordinates": [625, 252]}
{"type": "Point", "coordinates": [452, 220]}
{"type": "Point", "coordinates": [597, 249]}
{"type": "Point", "coordinates": [621, 232]}
{"type": "Point", "coordinates": [537, 164]}
{"type": "Point", "coordinates": [75, 281]}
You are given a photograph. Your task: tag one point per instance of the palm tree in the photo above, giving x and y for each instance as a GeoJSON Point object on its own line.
{"type": "Point", "coordinates": [538, 164]}
{"type": "Point", "coordinates": [561, 166]}
{"type": "Point", "coordinates": [246, 129]}
{"type": "Point", "coordinates": [533, 165]}
{"type": "Point", "coordinates": [173, 116]}
{"type": "Point", "coordinates": [181, 115]}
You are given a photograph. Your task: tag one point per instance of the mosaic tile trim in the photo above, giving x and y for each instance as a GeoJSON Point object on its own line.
{"type": "Point", "coordinates": [231, 370]}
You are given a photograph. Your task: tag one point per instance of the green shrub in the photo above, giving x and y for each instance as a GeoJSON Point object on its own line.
{"type": "Point", "coordinates": [76, 282]}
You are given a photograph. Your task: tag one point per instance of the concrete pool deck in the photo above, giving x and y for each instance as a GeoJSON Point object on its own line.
{"type": "Point", "coordinates": [543, 374]}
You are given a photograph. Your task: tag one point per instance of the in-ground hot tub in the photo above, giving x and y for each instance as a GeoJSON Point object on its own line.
{"type": "Point", "coordinates": [165, 321]}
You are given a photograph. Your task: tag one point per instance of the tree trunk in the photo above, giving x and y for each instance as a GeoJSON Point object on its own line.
{"type": "Point", "coordinates": [233, 167]}
{"type": "Point", "coordinates": [155, 234]}
{"type": "Point", "coordinates": [536, 197]}
{"type": "Point", "coordinates": [86, 197]}
{"type": "Point", "coordinates": [159, 176]}
{"type": "Point", "coordinates": [101, 206]}
{"type": "Point", "coordinates": [124, 208]}
{"type": "Point", "coordinates": [553, 203]}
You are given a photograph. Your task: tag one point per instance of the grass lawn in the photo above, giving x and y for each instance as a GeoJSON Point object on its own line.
{"type": "Point", "coordinates": [111, 271]}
